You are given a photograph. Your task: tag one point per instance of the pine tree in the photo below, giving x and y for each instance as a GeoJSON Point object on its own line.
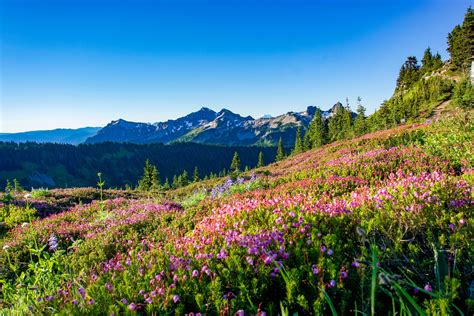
{"type": "Point", "coordinates": [183, 179]}
{"type": "Point", "coordinates": [261, 162]}
{"type": "Point", "coordinates": [463, 95]}
{"type": "Point", "coordinates": [427, 61]}
{"type": "Point", "coordinates": [196, 174]}
{"type": "Point", "coordinates": [166, 185]}
{"type": "Point", "coordinates": [409, 73]}
{"type": "Point", "coordinates": [17, 186]}
{"type": "Point", "coordinates": [145, 183]}
{"type": "Point", "coordinates": [155, 178]}
{"type": "Point", "coordinates": [175, 182]}
{"type": "Point", "coordinates": [468, 37]}
{"type": "Point", "coordinates": [346, 123]}
{"type": "Point", "coordinates": [9, 187]}
{"type": "Point", "coordinates": [461, 42]}
{"type": "Point", "coordinates": [280, 154]}
{"type": "Point", "coordinates": [235, 165]}
{"type": "Point", "coordinates": [455, 46]}
{"type": "Point", "coordinates": [359, 123]}
{"type": "Point", "coordinates": [318, 131]}
{"type": "Point", "coordinates": [298, 142]}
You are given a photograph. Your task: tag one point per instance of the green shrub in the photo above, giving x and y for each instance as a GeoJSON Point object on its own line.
{"type": "Point", "coordinates": [17, 215]}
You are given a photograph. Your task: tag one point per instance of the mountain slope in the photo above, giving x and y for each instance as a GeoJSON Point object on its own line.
{"type": "Point", "coordinates": [60, 135]}
{"type": "Point", "coordinates": [209, 127]}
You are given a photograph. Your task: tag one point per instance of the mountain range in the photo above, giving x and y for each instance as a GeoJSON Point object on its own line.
{"type": "Point", "coordinates": [60, 135]}
{"type": "Point", "coordinates": [210, 127]}
{"type": "Point", "coordinates": [204, 126]}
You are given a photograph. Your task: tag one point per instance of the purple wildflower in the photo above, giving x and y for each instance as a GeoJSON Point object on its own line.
{"type": "Point", "coordinates": [175, 298]}
{"type": "Point", "coordinates": [53, 242]}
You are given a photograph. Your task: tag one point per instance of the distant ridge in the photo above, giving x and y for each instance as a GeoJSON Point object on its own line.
{"type": "Point", "coordinates": [59, 135]}
{"type": "Point", "coordinates": [206, 126]}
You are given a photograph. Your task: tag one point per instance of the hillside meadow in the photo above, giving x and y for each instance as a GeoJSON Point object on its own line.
{"type": "Point", "coordinates": [381, 224]}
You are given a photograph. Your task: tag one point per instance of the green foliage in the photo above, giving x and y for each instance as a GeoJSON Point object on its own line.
{"type": "Point", "coordinates": [196, 177]}
{"type": "Point", "coordinates": [298, 142]}
{"type": "Point", "coordinates": [14, 215]}
{"type": "Point", "coordinates": [316, 135]}
{"type": "Point", "coordinates": [194, 199]}
{"type": "Point", "coordinates": [235, 164]}
{"type": "Point", "coordinates": [409, 74]}
{"type": "Point", "coordinates": [430, 62]}
{"type": "Point", "coordinates": [150, 180]}
{"type": "Point", "coordinates": [463, 95]}
{"type": "Point", "coordinates": [360, 127]}
{"type": "Point", "coordinates": [412, 104]}
{"type": "Point", "coordinates": [461, 43]}
{"type": "Point", "coordinates": [39, 193]}
{"type": "Point", "coordinates": [261, 161]}
{"type": "Point", "coordinates": [340, 124]}
{"type": "Point", "coordinates": [451, 139]}
{"type": "Point", "coordinates": [280, 154]}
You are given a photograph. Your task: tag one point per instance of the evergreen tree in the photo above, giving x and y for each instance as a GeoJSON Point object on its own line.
{"type": "Point", "coordinates": [340, 123]}
{"type": "Point", "coordinates": [196, 174]}
{"type": "Point", "coordinates": [17, 186]}
{"type": "Point", "coordinates": [359, 123]}
{"type": "Point", "coordinates": [261, 162]}
{"type": "Point", "coordinates": [430, 62]}
{"type": "Point", "coordinates": [146, 182]}
{"type": "Point", "coordinates": [235, 165]}
{"type": "Point", "coordinates": [175, 183]}
{"type": "Point", "coordinates": [463, 95]}
{"type": "Point", "coordinates": [461, 42]}
{"type": "Point", "coordinates": [183, 179]}
{"type": "Point", "coordinates": [346, 122]}
{"type": "Point", "coordinates": [9, 187]}
{"type": "Point", "coordinates": [298, 142]}
{"type": "Point", "coordinates": [280, 154]}
{"type": "Point", "coordinates": [155, 178]}
{"type": "Point", "coordinates": [246, 169]}
{"type": "Point", "coordinates": [166, 185]}
{"type": "Point", "coordinates": [427, 61]}
{"type": "Point", "coordinates": [316, 134]}
{"type": "Point", "coordinates": [409, 73]}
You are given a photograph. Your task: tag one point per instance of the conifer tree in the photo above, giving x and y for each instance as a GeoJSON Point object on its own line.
{"type": "Point", "coordinates": [145, 183]}
{"type": "Point", "coordinates": [280, 154]}
{"type": "Point", "coordinates": [183, 179]}
{"type": "Point", "coordinates": [461, 43]}
{"type": "Point", "coordinates": [196, 174]}
{"type": "Point", "coordinates": [316, 135]}
{"type": "Point", "coordinates": [298, 142]}
{"type": "Point", "coordinates": [427, 61]}
{"type": "Point", "coordinates": [346, 123]}
{"type": "Point", "coordinates": [261, 162]}
{"type": "Point", "coordinates": [463, 95]}
{"type": "Point", "coordinates": [17, 186]}
{"type": "Point", "coordinates": [166, 185]}
{"type": "Point", "coordinates": [336, 122]}
{"type": "Point", "coordinates": [175, 183]}
{"type": "Point", "coordinates": [155, 178]}
{"type": "Point", "coordinates": [359, 123]}
{"type": "Point", "coordinates": [235, 164]}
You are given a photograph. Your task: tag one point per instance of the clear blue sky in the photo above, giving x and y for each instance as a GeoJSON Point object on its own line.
{"type": "Point", "coordinates": [84, 63]}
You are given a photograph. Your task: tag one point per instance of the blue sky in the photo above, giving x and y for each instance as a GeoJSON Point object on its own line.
{"type": "Point", "coordinates": [84, 63]}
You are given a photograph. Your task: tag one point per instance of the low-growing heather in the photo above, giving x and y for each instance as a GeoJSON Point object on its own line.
{"type": "Point", "coordinates": [370, 226]}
